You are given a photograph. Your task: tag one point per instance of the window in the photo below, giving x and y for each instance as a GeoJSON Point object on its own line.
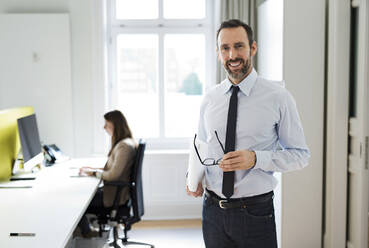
{"type": "Point", "coordinates": [160, 59]}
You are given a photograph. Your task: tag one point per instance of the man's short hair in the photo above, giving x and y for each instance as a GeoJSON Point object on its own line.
{"type": "Point", "coordinates": [235, 23]}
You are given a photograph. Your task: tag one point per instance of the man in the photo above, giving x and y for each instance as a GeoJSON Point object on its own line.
{"type": "Point", "coordinates": [252, 129]}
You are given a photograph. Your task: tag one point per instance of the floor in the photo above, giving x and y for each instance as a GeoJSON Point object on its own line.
{"type": "Point", "coordinates": [162, 234]}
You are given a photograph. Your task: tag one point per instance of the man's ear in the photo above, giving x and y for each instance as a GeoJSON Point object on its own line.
{"type": "Point", "coordinates": [254, 48]}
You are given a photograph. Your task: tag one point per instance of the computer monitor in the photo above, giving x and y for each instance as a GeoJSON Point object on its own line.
{"type": "Point", "coordinates": [30, 141]}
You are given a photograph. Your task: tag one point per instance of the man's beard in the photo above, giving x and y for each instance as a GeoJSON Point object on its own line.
{"type": "Point", "coordinates": [242, 73]}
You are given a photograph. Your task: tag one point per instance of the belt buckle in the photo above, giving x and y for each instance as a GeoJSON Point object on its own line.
{"type": "Point", "coordinates": [221, 202]}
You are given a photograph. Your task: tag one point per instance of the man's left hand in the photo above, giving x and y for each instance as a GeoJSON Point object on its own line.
{"type": "Point", "coordinates": [238, 160]}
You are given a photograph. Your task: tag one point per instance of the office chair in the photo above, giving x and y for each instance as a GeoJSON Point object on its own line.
{"type": "Point", "coordinates": [129, 213]}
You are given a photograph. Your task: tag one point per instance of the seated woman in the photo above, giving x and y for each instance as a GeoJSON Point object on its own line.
{"type": "Point", "coordinates": [118, 166]}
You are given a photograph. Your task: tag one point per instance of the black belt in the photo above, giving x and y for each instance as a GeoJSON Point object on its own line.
{"type": "Point", "coordinates": [237, 202]}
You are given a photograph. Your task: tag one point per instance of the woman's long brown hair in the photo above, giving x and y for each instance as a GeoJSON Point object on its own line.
{"type": "Point", "coordinates": [121, 128]}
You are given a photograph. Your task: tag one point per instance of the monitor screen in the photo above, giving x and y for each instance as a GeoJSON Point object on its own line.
{"type": "Point", "coordinates": [29, 137]}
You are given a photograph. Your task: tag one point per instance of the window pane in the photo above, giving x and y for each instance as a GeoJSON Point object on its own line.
{"type": "Point", "coordinates": [137, 82]}
{"type": "Point", "coordinates": [184, 81]}
{"type": "Point", "coordinates": [184, 9]}
{"type": "Point", "coordinates": [137, 9]}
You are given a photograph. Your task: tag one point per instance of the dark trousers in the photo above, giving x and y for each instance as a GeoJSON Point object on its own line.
{"type": "Point", "coordinates": [96, 203]}
{"type": "Point", "coordinates": [98, 200]}
{"type": "Point", "coordinates": [252, 226]}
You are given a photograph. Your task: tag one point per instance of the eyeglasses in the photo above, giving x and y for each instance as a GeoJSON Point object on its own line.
{"type": "Point", "coordinates": [208, 161]}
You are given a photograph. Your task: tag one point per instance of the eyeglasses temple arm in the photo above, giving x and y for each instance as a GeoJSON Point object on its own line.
{"type": "Point", "coordinates": [197, 152]}
{"type": "Point", "coordinates": [221, 145]}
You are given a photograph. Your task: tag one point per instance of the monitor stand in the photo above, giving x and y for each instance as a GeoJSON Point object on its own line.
{"type": "Point", "coordinates": [18, 163]}
{"type": "Point", "coordinates": [18, 171]}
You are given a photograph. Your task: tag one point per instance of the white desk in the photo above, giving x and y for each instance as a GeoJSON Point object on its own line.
{"type": "Point", "coordinates": [51, 209]}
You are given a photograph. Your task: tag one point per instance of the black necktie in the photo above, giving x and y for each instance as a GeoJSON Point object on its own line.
{"type": "Point", "coordinates": [228, 177]}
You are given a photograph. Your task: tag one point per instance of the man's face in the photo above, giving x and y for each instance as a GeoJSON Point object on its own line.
{"type": "Point", "coordinates": [235, 53]}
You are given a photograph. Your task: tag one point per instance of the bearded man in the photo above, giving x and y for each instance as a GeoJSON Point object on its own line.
{"type": "Point", "coordinates": [252, 129]}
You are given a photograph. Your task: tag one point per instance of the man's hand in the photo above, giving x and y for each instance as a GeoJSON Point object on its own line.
{"type": "Point", "coordinates": [197, 193]}
{"type": "Point", "coordinates": [238, 160]}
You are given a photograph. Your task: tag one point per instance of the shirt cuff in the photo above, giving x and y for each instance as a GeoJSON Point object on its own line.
{"type": "Point", "coordinates": [263, 159]}
{"type": "Point", "coordinates": [98, 174]}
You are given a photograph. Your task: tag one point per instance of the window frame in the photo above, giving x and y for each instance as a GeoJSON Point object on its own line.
{"type": "Point", "coordinates": [161, 27]}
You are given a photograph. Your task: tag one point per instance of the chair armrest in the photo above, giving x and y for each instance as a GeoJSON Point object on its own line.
{"type": "Point", "coordinates": [118, 184]}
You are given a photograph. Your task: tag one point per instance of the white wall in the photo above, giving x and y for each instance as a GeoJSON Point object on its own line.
{"type": "Point", "coordinates": [303, 70]}
{"type": "Point", "coordinates": [81, 21]}
{"type": "Point", "coordinates": [35, 71]}
{"type": "Point", "coordinates": [164, 187]}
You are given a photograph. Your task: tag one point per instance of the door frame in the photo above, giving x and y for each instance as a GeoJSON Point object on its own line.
{"type": "Point", "coordinates": [336, 126]}
{"type": "Point", "coordinates": [358, 191]}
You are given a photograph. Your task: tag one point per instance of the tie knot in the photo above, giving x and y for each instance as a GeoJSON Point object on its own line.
{"type": "Point", "coordinates": [235, 89]}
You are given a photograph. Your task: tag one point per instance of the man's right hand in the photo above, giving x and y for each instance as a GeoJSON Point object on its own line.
{"type": "Point", "coordinates": [198, 193]}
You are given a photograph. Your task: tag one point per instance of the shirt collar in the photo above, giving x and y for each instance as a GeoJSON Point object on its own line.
{"type": "Point", "coordinates": [245, 85]}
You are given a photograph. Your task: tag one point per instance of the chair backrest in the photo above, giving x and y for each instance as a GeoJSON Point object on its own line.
{"type": "Point", "coordinates": [136, 178]}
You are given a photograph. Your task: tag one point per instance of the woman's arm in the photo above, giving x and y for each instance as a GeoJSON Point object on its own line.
{"type": "Point", "coordinates": [123, 155]}
{"type": "Point", "coordinates": [87, 170]}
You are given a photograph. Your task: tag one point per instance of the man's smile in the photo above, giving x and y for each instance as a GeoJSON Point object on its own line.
{"type": "Point", "coordinates": [234, 65]}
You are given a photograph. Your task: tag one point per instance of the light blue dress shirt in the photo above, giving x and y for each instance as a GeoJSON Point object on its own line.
{"type": "Point", "coordinates": [267, 123]}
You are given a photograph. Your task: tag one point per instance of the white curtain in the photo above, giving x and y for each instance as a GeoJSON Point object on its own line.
{"type": "Point", "coordinates": [244, 10]}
